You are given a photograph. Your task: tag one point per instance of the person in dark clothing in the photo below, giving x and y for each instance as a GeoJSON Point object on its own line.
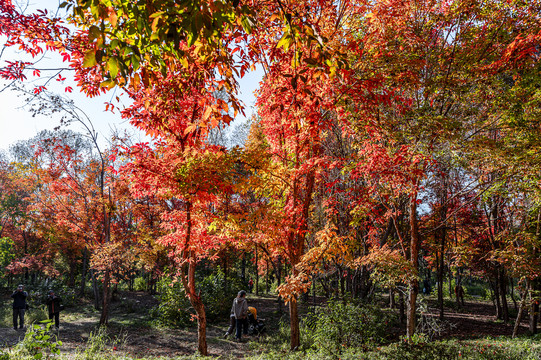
{"type": "Point", "coordinates": [232, 324]}
{"type": "Point", "coordinates": [19, 306]}
{"type": "Point", "coordinates": [240, 311]}
{"type": "Point", "coordinates": [54, 307]}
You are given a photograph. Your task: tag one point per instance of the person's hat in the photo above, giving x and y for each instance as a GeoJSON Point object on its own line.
{"type": "Point", "coordinates": [51, 291]}
{"type": "Point", "coordinates": [20, 287]}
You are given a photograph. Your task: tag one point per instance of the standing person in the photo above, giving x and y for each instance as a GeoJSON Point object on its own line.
{"type": "Point", "coordinates": [250, 285]}
{"type": "Point", "coordinates": [19, 306]}
{"type": "Point", "coordinates": [240, 310]}
{"type": "Point", "coordinates": [54, 307]}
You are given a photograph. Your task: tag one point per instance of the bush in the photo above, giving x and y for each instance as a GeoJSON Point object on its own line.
{"type": "Point", "coordinates": [140, 284]}
{"type": "Point", "coordinates": [37, 343]}
{"type": "Point", "coordinates": [36, 314]}
{"type": "Point", "coordinates": [175, 308]}
{"type": "Point", "coordinates": [339, 326]}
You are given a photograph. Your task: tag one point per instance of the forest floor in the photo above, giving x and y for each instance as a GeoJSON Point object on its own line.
{"type": "Point", "coordinates": [129, 322]}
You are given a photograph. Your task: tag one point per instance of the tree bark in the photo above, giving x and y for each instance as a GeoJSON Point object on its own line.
{"type": "Point", "coordinates": [521, 309]}
{"type": "Point", "coordinates": [256, 272]}
{"type": "Point", "coordinates": [188, 281]}
{"type": "Point", "coordinates": [95, 290]}
{"type": "Point", "coordinates": [413, 288]}
{"type": "Point", "coordinates": [391, 298]}
{"type": "Point", "coordinates": [503, 293]}
{"type": "Point", "coordinates": [534, 307]}
{"type": "Point", "coordinates": [84, 271]}
{"type": "Point", "coordinates": [104, 319]}
{"type": "Point", "coordinates": [294, 322]}
{"type": "Point", "coordinates": [402, 306]}
{"type": "Point", "coordinates": [440, 280]}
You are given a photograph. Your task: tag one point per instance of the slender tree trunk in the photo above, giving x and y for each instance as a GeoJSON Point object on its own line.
{"type": "Point", "coordinates": [243, 269]}
{"type": "Point", "coordinates": [71, 277]}
{"type": "Point", "coordinates": [279, 278]}
{"type": "Point", "coordinates": [26, 274]}
{"type": "Point", "coordinates": [534, 307]}
{"type": "Point", "coordinates": [413, 288]}
{"type": "Point", "coordinates": [314, 290]}
{"type": "Point", "coordinates": [503, 293]}
{"type": "Point", "coordinates": [256, 272]}
{"type": "Point", "coordinates": [391, 298]}
{"type": "Point", "coordinates": [521, 309]}
{"type": "Point", "coordinates": [267, 277]}
{"type": "Point", "coordinates": [188, 281]}
{"type": "Point", "coordinates": [440, 281]}
{"type": "Point", "coordinates": [450, 285]}
{"type": "Point", "coordinates": [496, 289]}
{"type": "Point", "coordinates": [95, 290]}
{"type": "Point", "coordinates": [201, 325]}
{"type": "Point", "coordinates": [441, 234]}
{"type": "Point", "coordinates": [225, 272]}
{"type": "Point", "coordinates": [104, 319]}
{"type": "Point", "coordinates": [511, 282]}
{"type": "Point", "coordinates": [402, 306]}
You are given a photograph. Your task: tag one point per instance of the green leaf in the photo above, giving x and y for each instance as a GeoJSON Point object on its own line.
{"type": "Point", "coordinates": [135, 62]}
{"type": "Point", "coordinates": [93, 33]}
{"type": "Point", "coordinates": [112, 66]}
{"type": "Point", "coordinates": [247, 24]}
{"type": "Point", "coordinates": [285, 41]}
{"type": "Point", "coordinates": [89, 59]}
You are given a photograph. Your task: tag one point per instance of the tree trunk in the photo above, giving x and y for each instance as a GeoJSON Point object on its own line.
{"type": "Point", "coordinates": [314, 291]}
{"type": "Point", "coordinates": [294, 322]}
{"type": "Point", "coordinates": [496, 289]}
{"type": "Point", "coordinates": [225, 272]}
{"type": "Point", "coordinates": [534, 307]}
{"type": "Point", "coordinates": [104, 319]}
{"type": "Point", "coordinates": [413, 286]}
{"type": "Point", "coordinates": [243, 269]}
{"type": "Point", "coordinates": [521, 309]}
{"type": "Point", "coordinates": [279, 278]}
{"type": "Point", "coordinates": [402, 306]}
{"type": "Point", "coordinates": [95, 290]}
{"type": "Point", "coordinates": [71, 276]}
{"type": "Point", "coordinates": [83, 274]}
{"type": "Point", "coordinates": [440, 281]}
{"type": "Point", "coordinates": [199, 307]}
{"type": "Point", "coordinates": [503, 293]}
{"type": "Point", "coordinates": [267, 277]}
{"type": "Point", "coordinates": [188, 281]}
{"type": "Point", "coordinates": [256, 272]}
{"type": "Point", "coordinates": [391, 298]}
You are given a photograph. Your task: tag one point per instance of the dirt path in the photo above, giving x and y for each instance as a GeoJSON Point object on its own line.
{"type": "Point", "coordinates": [129, 323]}
{"type": "Point", "coordinates": [476, 319]}
{"type": "Point", "coordinates": [135, 336]}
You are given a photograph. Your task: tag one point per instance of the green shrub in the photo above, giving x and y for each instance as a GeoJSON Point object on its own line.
{"type": "Point", "coordinates": [36, 314]}
{"type": "Point", "coordinates": [340, 325]}
{"type": "Point", "coordinates": [175, 309]}
{"type": "Point", "coordinates": [140, 284]}
{"type": "Point", "coordinates": [37, 343]}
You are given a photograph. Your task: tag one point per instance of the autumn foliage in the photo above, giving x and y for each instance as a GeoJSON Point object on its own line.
{"type": "Point", "coordinates": [390, 138]}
